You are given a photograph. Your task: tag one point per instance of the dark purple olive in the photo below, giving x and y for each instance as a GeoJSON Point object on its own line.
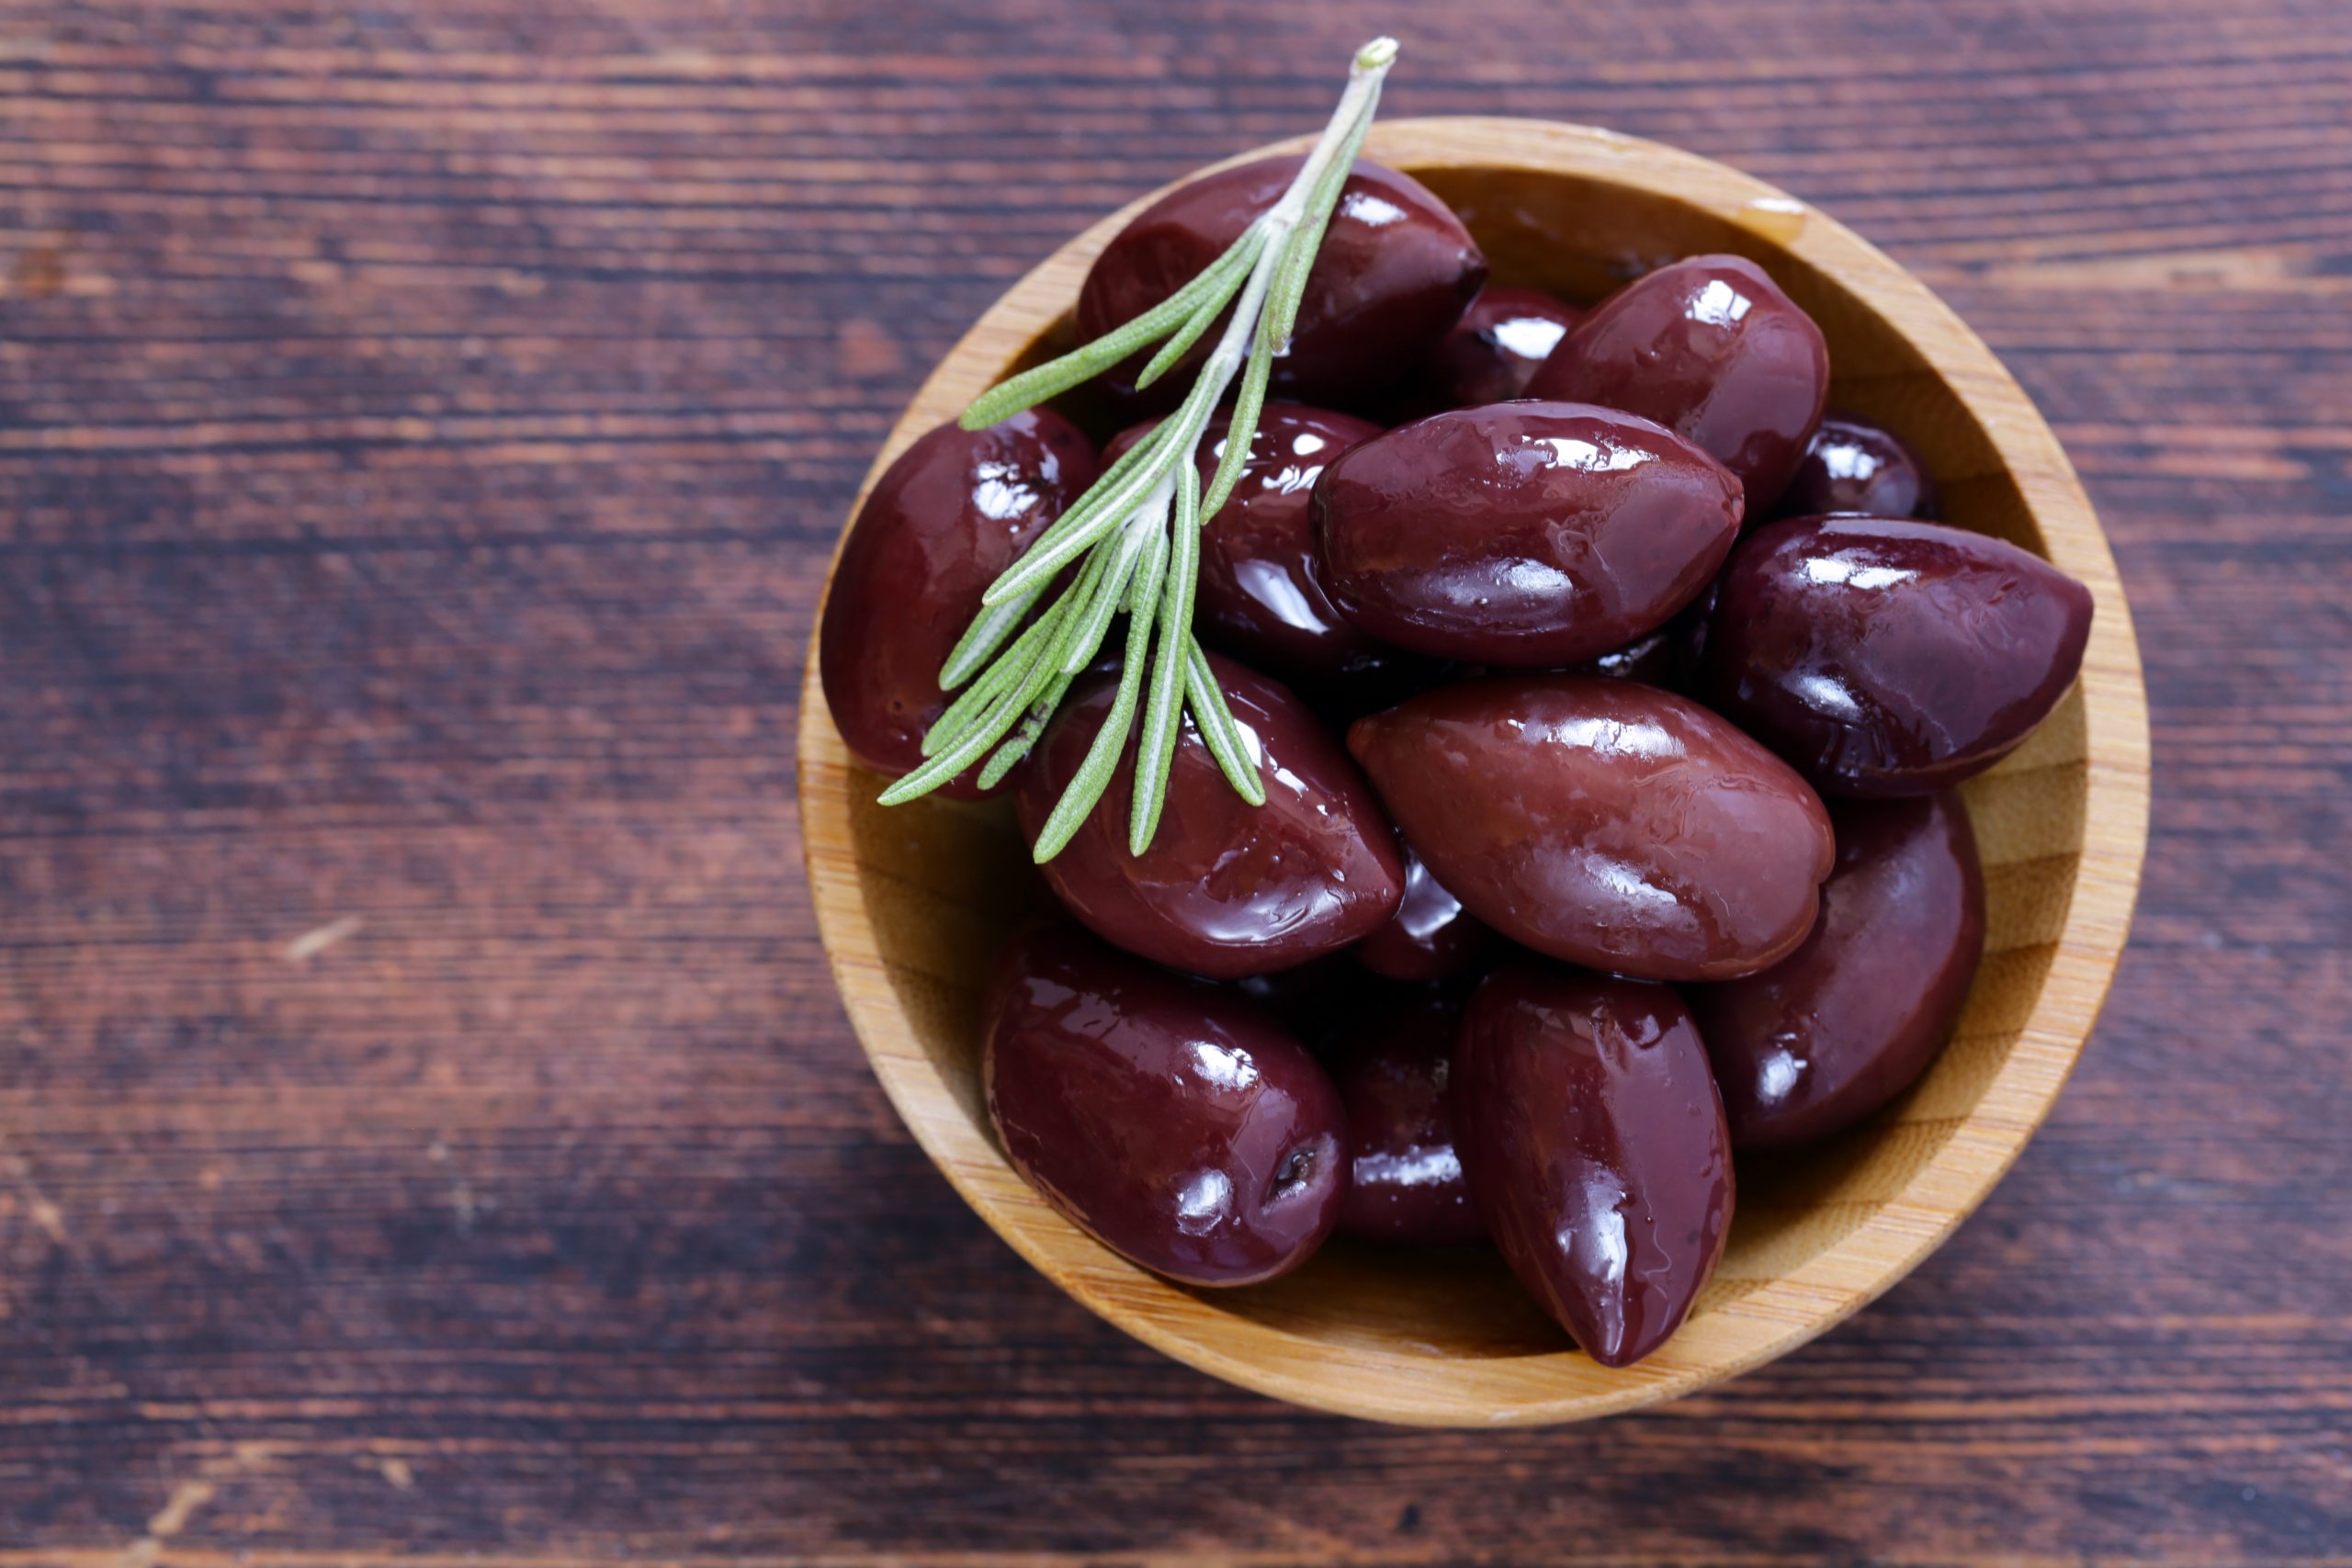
{"type": "Point", "coordinates": [1261, 596]}
{"type": "Point", "coordinates": [1652, 659]}
{"type": "Point", "coordinates": [1430, 937]}
{"type": "Point", "coordinates": [1523, 534]}
{"type": "Point", "coordinates": [1393, 273]}
{"type": "Point", "coordinates": [1225, 888]}
{"type": "Point", "coordinates": [942, 522]}
{"type": "Point", "coordinates": [1174, 1121]}
{"type": "Point", "coordinates": [1593, 1141]}
{"type": "Point", "coordinates": [1609, 824]}
{"type": "Point", "coordinates": [1497, 346]}
{"type": "Point", "coordinates": [1712, 349]}
{"type": "Point", "coordinates": [1859, 469]}
{"type": "Point", "coordinates": [1849, 1020]}
{"type": "Point", "coordinates": [1404, 1183]}
{"type": "Point", "coordinates": [1884, 658]}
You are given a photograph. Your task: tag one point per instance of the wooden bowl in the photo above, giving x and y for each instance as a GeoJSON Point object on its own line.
{"type": "Point", "coordinates": [913, 901]}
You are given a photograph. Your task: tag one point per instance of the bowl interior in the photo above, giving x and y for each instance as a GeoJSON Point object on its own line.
{"type": "Point", "coordinates": [913, 900]}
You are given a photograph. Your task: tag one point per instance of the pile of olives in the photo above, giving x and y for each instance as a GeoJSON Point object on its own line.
{"type": "Point", "coordinates": [1608, 696]}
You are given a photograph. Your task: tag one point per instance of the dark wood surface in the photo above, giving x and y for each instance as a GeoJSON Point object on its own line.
{"type": "Point", "coordinates": [426, 1129]}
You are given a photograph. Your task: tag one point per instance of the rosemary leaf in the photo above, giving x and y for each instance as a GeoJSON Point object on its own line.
{"type": "Point", "coordinates": [1220, 729]}
{"type": "Point", "coordinates": [987, 632]}
{"type": "Point", "coordinates": [1003, 759]}
{"type": "Point", "coordinates": [1108, 599]}
{"type": "Point", "coordinates": [1093, 775]}
{"type": "Point", "coordinates": [1164, 715]}
{"type": "Point", "coordinates": [1002, 715]}
{"type": "Point", "coordinates": [1240, 430]}
{"type": "Point", "coordinates": [974, 701]}
{"type": "Point", "coordinates": [1298, 255]}
{"type": "Point", "coordinates": [1145, 595]}
{"type": "Point", "coordinates": [1135, 461]}
{"type": "Point", "coordinates": [1203, 316]}
{"type": "Point", "coordinates": [1045, 559]}
{"type": "Point", "coordinates": [1089, 587]}
{"type": "Point", "coordinates": [1054, 377]}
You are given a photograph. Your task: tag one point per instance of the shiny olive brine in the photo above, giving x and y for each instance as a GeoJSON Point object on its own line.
{"type": "Point", "coordinates": [1605, 696]}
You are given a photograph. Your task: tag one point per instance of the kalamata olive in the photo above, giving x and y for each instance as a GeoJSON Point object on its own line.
{"type": "Point", "coordinates": [1854, 467]}
{"type": "Point", "coordinates": [1225, 888]}
{"type": "Point", "coordinates": [1430, 937]}
{"type": "Point", "coordinates": [942, 522]}
{"type": "Point", "coordinates": [1394, 272]}
{"type": "Point", "coordinates": [1261, 595]}
{"type": "Point", "coordinates": [1589, 1130]}
{"type": "Point", "coordinates": [1886, 657]}
{"type": "Point", "coordinates": [1848, 1021]}
{"type": "Point", "coordinates": [1522, 532]}
{"type": "Point", "coordinates": [1176, 1121]}
{"type": "Point", "coordinates": [1609, 824]}
{"type": "Point", "coordinates": [1405, 1181]}
{"type": "Point", "coordinates": [1712, 349]}
{"type": "Point", "coordinates": [1495, 349]}
{"type": "Point", "coordinates": [1652, 659]}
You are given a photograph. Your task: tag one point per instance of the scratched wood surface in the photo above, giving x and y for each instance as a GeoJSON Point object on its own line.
{"type": "Point", "coordinates": [426, 1130]}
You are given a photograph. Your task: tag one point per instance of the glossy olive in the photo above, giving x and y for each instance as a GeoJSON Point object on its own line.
{"type": "Point", "coordinates": [1497, 346]}
{"type": "Point", "coordinates": [1394, 272]}
{"type": "Point", "coordinates": [1225, 888]}
{"type": "Point", "coordinates": [1607, 823]}
{"type": "Point", "coordinates": [1884, 658]}
{"type": "Point", "coordinates": [1176, 1121]}
{"type": "Point", "coordinates": [1430, 937]}
{"type": "Point", "coordinates": [1589, 1130]}
{"type": "Point", "coordinates": [1523, 533]}
{"type": "Point", "coordinates": [1261, 595]}
{"type": "Point", "coordinates": [1854, 467]}
{"type": "Point", "coordinates": [1851, 1017]}
{"type": "Point", "coordinates": [1712, 349]}
{"type": "Point", "coordinates": [1404, 1183]}
{"type": "Point", "coordinates": [942, 522]}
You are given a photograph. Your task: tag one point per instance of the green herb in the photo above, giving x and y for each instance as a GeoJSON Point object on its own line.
{"type": "Point", "coordinates": [1135, 533]}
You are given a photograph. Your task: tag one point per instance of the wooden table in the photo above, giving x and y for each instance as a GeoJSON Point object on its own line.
{"type": "Point", "coordinates": [426, 1132]}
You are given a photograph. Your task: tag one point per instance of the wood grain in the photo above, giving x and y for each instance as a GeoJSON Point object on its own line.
{"type": "Point", "coordinates": [911, 904]}
{"type": "Point", "coordinates": [420, 434]}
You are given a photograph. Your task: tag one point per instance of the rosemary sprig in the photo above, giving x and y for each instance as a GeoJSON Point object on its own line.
{"type": "Point", "coordinates": [1135, 533]}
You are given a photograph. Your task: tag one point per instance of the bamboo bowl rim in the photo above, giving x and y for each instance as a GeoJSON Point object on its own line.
{"type": "Point", "coordinates": [1357, 1376]}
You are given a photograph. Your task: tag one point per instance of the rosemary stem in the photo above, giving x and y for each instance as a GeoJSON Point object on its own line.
{"type": "Point", "coordinates": [1133, 539]}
